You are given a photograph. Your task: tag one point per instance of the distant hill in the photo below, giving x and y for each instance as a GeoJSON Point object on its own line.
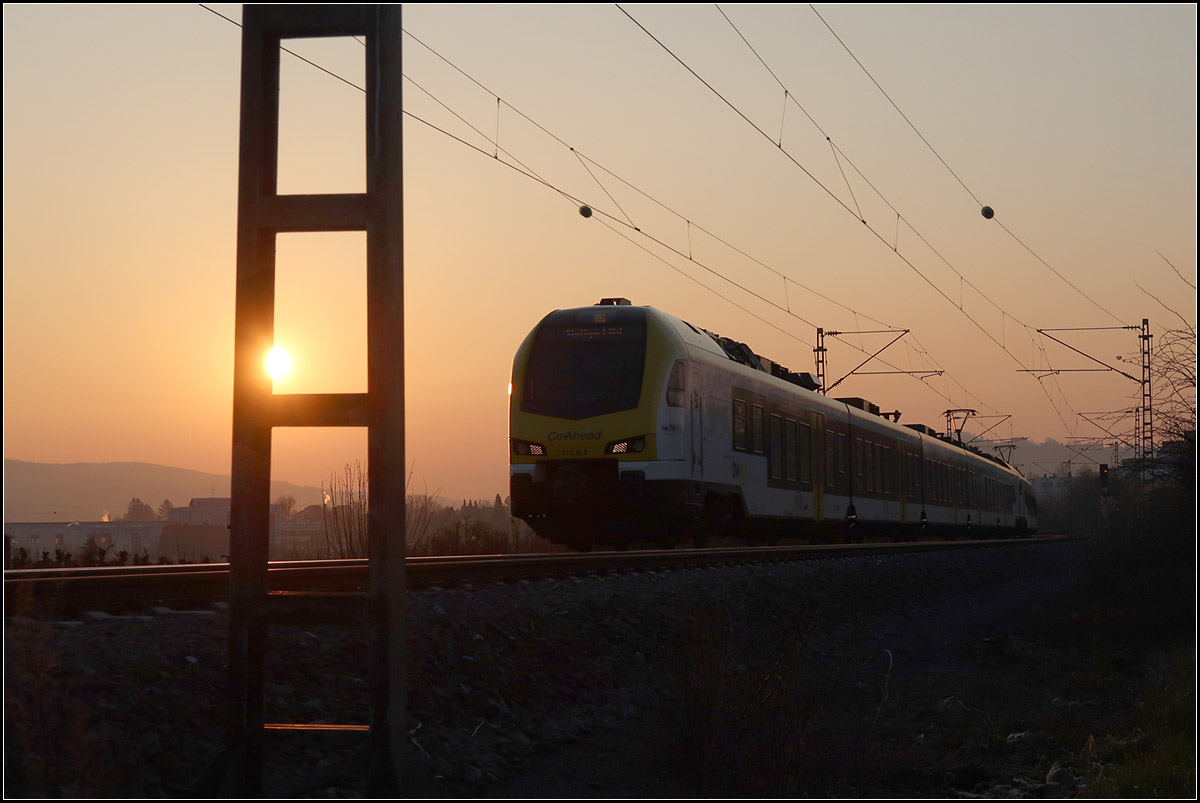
{"type": "Point", "coordinates": [85, 491]}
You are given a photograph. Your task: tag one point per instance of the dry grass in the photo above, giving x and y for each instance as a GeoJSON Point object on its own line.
{"type": "Point", "coordinates": [772, 720]}
{"type": "Point", "coordinates": [1096, 698]}
{"type": "Point", "coordinates": [1158, 757]}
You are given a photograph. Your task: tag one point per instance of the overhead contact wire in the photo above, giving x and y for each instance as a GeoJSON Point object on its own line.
{"type": "Point", "coordinates": [951, 170]}
{"type": "Point", "coordinates": [895, 248]}
{"type": "Point", "coordinates": [805, 170]}
{"type": "Point", "coordinates": [522, 169]}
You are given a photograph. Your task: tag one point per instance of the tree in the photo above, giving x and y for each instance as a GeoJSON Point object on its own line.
{"type": "Point", "coordinates": [287, 506]}
{"type": "Point", "coordinates": [139, 511]}
{"type": "Point", "coordinates": [1173, 372]}
{"type": "Point", "coordinates": [164, 510]}
{"type": "Point", "coordinates": [1173, 384]}
{"type": "Point", "coordinates": [92, 553]}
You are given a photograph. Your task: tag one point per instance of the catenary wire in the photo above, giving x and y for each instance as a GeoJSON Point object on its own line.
{"type": "Point", "coordinates": [961, 183]}
{"type": "Point", "coordinates": [529, 173]}
{"type": "Point", "coordinates": [904, 259]}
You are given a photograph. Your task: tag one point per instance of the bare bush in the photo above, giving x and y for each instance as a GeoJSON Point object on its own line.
{"type": "Point", "coordinates": [344, 513]}
{"type": "Point", "coordinates": [476, 528]}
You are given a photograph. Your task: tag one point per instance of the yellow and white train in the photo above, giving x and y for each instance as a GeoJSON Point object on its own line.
{"type": "Point", "coordinates": [629, 425]}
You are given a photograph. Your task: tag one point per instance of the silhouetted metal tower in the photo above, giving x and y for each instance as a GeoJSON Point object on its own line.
{"type": "Point", "coordinates": [262, 215]}
{"type": "Point", "coordinates": [1146, 425]}
{"type": "Point", "coordinates": [821, 360]}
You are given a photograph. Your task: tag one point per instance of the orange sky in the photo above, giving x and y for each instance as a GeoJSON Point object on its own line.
{"type": "Point", "coordinates": [1077, 124]}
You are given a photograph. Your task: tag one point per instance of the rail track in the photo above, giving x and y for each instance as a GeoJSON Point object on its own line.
{"type": "Point", "coordinates": [113, 589]}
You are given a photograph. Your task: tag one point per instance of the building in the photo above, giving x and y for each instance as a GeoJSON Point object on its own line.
{"type": "Point", "coordinates": [202, 510]}
{"type": "Point", "coordinates": [195, 533]}
{"type": "Point", "coordinates": [46, 539]}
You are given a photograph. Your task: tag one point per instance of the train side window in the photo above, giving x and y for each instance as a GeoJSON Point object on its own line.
{"type": "Point", "coordinates": [879, 486]}
{"type": "Point", "coordinates": [757, 430]}
{"type": "Point", "coordinates": [841, 453]}
{"type": "Point", "coordinates": [858, 456]}
{"type": "Point", "coordinates": [677, 387]}
{"type": "Point", "coordinates": [870, 453]}
{"type": "Point", "coordinates": [806, 455]}
{"type": "Point", "coordinates": [739, 425]}
{"type": "Point", "coordinates": [877, 465]}
{"type": "Point", "coordinates": [789, 450]}
{"type": "Point", "coordinates": [775, 456]}
{"type": "Point", "coordinates": [886, 454]}
{"type": "Point", "coordinates": [830, 456]}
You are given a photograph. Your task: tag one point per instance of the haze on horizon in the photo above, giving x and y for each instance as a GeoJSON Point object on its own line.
{"type": "Point", "coordinates": [1077, 124]}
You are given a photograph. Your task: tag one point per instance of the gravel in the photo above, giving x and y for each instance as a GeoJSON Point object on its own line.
{"type": "Point", "coordinates": [503, 679]}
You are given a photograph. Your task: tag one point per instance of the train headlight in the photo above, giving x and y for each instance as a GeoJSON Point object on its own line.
{"type": "Point", "coordinates": [627, 446]}
{"type": "Point", "coordinates": [528, 448]}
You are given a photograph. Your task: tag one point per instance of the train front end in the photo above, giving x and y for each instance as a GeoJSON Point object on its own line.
{"type": "Point", "coordinates": [584, 413]}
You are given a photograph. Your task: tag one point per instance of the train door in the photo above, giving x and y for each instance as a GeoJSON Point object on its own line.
{"type": "Point", "coordinates": [900, 477]}
{"type": "Point", "coordinates": [697, 426]}
{"type": "Point", "coordinates": [817, 457]}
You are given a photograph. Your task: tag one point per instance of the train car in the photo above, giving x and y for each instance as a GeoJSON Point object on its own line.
{"type": "Point", "coordinates": [630, 425]}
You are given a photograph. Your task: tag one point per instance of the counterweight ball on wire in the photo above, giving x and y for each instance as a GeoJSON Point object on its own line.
{"type": "Point", "coordinates": [987, 212]}
{"type": "Point", "coordinates": [585, 210]}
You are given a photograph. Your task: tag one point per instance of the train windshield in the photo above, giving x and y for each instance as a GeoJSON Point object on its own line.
{"type": "Point", "coordinates": [586, 363]}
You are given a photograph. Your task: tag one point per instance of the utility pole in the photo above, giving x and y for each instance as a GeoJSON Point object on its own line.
{"type": "Point", "coordinates": [1144, 414]}
{"type": "Point", "coordinates": [262, 215]}
{"type": "Point", "coordinates": [1146, 439]}
{"type": "Point", "coordinates": [821, 360]}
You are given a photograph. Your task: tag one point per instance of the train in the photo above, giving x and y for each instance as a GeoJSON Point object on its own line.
{"type": "Point", "coordinates": [628, 425]}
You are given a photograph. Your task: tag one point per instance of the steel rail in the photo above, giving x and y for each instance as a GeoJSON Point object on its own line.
{"type": "Point", "coordinates": [65, 591]}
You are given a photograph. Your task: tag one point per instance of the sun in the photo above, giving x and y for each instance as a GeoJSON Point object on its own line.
{"type": "Point", "coordinates": [279, 363]}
